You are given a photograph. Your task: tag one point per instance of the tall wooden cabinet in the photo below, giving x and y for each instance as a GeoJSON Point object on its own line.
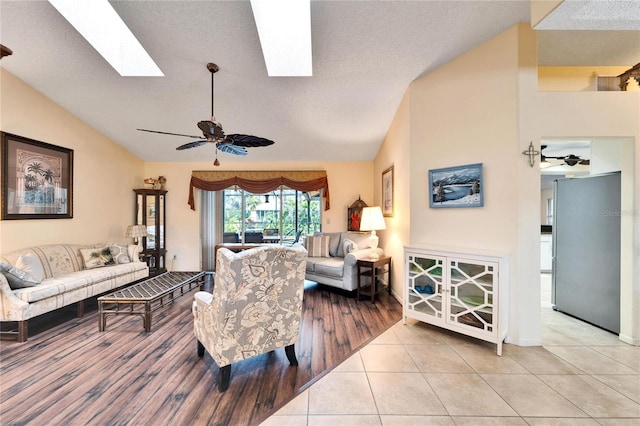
{"type": "Point", "coordinates": [150, 211]}
{"type": "Point", "coordinates": [466, 292]}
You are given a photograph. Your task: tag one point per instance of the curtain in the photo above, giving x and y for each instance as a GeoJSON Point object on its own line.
{"type": "Point", "coordinates": [259, 182]}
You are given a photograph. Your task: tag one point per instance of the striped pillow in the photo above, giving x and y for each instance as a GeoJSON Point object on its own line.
{"type": "Point", "coordinates": [317, 246]}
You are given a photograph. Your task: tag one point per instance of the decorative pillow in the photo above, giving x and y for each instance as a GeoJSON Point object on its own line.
{"type": "Point", "coordinates": [317, 246]}
{"type": "Point", "coordinates": [30, 263]}
{"type": "Point", "coordinates": [349, 246]}
{"type": "Point", "coordinates": [96, 258]}
{"type": "Point", "coordinates": [119, 253]}
{"type": "Point", "coordinates": [17, 278]}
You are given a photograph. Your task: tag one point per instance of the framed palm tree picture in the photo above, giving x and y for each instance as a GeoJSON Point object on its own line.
{"type": "Point", "coordinates": [37, 179]}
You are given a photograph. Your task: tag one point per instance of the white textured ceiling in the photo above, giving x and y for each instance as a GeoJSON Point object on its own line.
{"type": "Point", "coordinates": [365, 54]}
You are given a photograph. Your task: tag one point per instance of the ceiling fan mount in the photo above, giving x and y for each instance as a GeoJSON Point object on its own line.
{"type": "Point", "coordinates": [212, 132]}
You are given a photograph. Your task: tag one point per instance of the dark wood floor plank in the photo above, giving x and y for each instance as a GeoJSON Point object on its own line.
{"type": "Point", "coordinates": [71, 373]}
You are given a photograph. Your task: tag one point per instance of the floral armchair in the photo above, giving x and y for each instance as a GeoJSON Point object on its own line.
{"type": "Point", "coordinates": [255, 306]}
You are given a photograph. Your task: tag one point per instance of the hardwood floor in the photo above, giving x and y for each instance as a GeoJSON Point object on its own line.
{"type": "Point", "coordinates": [74, 375]}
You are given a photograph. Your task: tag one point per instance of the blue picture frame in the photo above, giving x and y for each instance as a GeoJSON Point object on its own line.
{"type": "Point", "coordinates": [456, 187]}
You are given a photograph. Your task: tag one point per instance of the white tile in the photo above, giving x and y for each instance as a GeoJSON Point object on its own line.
{"type": "Point", "coordinates": [590, 361]}
{"type": "Point", "coordinates": [342, 393]}
{"type": "Point", "coordinates": [530, 396]}
{"type": "Point", "coordinates": [489, 421]}
{"type": "Point", "coordinates": [592, 396]}
{"type": "Point", "coordinates": [404, 393]}
{"type": "Point", "coordinates": [628, 385]}
{"type": "Point", "coordinates": [559, 421]}
{"type": "Point", "coordinates": [626, 354]}
{"type": "Point", "coordinates": [399, 420]}
{"type": "Point", "coordinates": [285, 421]}
{"type": "Point", "coordinates": [353, 363]}
{"type": "Point", "coordinates": [437, 359]}
{"type": "Point", "coordinates": [387, 358]}
{"type": "Point", "coordinates": [298, 405]}
{"type": "Point", "coordinates": [344, 420]}
{"type": "Point", "coordinates": [468, 395]}
{"type": "Point", "coordinates": [484, 360]}
{"type": "Point", "coordinates": [389, 337]}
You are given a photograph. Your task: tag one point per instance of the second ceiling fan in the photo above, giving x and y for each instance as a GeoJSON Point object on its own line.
{"type": "Point", "coordinates": [212, 132]}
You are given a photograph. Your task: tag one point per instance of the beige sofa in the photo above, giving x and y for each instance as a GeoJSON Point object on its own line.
{"type": "Point", "coordinates": [337, 267]}
{"type": "Point", "coordinates": [48, 277]}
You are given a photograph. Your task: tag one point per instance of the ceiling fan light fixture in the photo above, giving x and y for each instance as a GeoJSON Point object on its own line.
{"type": "Point", "coordinates": [99, 23]}
{"type": "Point", "coordinates": [284, 28]}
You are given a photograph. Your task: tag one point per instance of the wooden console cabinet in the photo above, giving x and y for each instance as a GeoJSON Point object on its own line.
{"type": "Point", "coordinates": [466, 292]}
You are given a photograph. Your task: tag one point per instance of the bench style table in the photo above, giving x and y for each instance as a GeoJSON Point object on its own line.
{"type": "Point", "coordinates": [147, 296]}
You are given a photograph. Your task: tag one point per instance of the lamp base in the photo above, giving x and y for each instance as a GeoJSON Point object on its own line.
{"type": "Point", "coordinates": [374, 256]}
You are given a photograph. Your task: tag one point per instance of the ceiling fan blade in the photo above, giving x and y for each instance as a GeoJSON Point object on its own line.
{"type": "Point", "coordinates": [191, 145]}
{"type": "Point", "coordinates": [211, 129]}
{"type": "Point", "coordinates": [172, 134]}
{"type": "Point", "coordinates": [230, 148]}
{"type": "Point", "coordinates": [248, 140]}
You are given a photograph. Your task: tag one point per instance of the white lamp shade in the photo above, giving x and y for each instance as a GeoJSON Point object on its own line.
{"type": "Point", "coordinates": [136, 231]}
{"type": "Point", "coordinates": [372, 219]}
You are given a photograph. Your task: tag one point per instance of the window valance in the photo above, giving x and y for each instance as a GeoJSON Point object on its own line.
{"type": "Point", "coordinates": [259, 182]}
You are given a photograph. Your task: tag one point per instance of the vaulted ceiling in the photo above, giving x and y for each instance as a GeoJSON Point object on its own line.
{"type": "Point", "coordinates": [365, 54]}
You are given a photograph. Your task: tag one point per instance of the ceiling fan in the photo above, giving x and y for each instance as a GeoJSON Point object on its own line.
{"type": "Point", "coordinates": [569, 160]}
{"type": "Point", "coordinates": [212, 132]}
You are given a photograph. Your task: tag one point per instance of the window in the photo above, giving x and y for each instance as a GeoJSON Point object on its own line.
{"type": "Point", "coordinates": [279, 216]}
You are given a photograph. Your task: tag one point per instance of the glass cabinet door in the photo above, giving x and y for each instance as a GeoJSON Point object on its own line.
{"type": "Point", "coordinates": [426, 285]}
{"type": "Point", "coordinates": [471, 294]}
{"type": "Point", "coordinates": [150, 211]}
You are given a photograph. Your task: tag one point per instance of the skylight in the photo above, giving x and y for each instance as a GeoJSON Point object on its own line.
{"type": "Point", "coordinates": [102, 27]}
{"type": "Point", "coordinates": [284, 27]}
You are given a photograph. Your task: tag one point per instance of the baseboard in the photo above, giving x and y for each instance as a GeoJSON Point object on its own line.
{"type": "Point", "coordinates": [629, 340]}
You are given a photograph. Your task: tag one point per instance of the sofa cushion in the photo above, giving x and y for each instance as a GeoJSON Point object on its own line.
{"type": "Point", "coordinates": [31, 266]}
{"type": "Point", "coordinates": [317, 246]}
{"type": "Point", "coordinates": [332, 266]}
{"type": "Point", "coordinates": [349, 246]}
{"type": "Point", "coordinates": [17, 278]}
{"type": "Point", "coordinates": [334, 242]}
{"type": "Point", "coordinates": [361, 239]}
{"type": "Point", "coordinates": [97, 257]}
{"type": "Point", "coordinates": [120, 253]}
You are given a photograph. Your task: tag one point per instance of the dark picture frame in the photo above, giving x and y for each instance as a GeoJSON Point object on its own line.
{"type": "Point", "coordinates": [459, 186]}
{"type": "Point", "coordinates": [387, 192]}
{"type": "Point", "coordinates": [37, 179]}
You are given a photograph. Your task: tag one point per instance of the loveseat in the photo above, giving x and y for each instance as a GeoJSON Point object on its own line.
{"type": "Point", "coordinates": [332, 260]}
{"type": "Point", "coordinates": [43, 278]}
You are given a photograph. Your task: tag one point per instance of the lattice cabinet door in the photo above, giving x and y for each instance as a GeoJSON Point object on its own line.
{"type": "Point", "coordinates": [425, 289]}
{"type": "Point", "coordinates": [472, 291]}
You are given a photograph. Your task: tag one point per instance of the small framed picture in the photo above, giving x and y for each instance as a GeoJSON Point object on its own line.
{"type": "Point", "coordinates": [387, 192]}
{"type": "Point", "coordinates": [37, 179]}
{"type": "Point", "coordinates": [459, 186]}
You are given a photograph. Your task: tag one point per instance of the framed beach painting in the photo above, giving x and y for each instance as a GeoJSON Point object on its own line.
{"type": "Point", "coordinates": [37, 179]}
{"type": "Point", "coordinates": [459, 186]}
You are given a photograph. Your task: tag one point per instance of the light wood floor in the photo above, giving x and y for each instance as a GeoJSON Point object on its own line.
{"type": "Point", "coordinates": [72, 374]}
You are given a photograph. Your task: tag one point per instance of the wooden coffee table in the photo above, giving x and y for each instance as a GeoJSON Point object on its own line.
{"type": "Point", "coordinates": [147, 296]}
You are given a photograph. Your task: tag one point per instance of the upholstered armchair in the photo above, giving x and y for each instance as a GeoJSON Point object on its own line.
{"type": "Point", "coordinates": [255, 306]}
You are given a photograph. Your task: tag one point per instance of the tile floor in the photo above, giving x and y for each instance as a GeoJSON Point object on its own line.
{"type": "Point", "coordinates": [416, 374]}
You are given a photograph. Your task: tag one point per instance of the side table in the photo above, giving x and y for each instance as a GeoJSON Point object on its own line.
{"type": "Point", "coordinates": [375, 269]}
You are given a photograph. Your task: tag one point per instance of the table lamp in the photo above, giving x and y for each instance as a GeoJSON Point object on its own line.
{"type": "Point", "coordinates": [372, 220]}
{"type": "Point", "coordinates": [135, 232]}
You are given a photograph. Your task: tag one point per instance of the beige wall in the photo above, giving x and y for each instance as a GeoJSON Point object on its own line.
{"type": "Point", "coordinates": [577, 79]}
{"type": "Point", "coordinates": [453, 117]}
{"type": "Point", "coordinates": [347, 181]}
{"type": "Point", "coordinates": [395, 151]}
{"type": "Point", "coordinates": [104, 172]}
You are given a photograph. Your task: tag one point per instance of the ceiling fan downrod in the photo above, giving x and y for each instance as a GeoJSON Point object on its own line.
{"type": "Point", "coordinates": [213, 68]}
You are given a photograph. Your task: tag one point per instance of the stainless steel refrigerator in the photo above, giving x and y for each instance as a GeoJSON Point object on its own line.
{"type": "Point", "coordinates": [586, 249]}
